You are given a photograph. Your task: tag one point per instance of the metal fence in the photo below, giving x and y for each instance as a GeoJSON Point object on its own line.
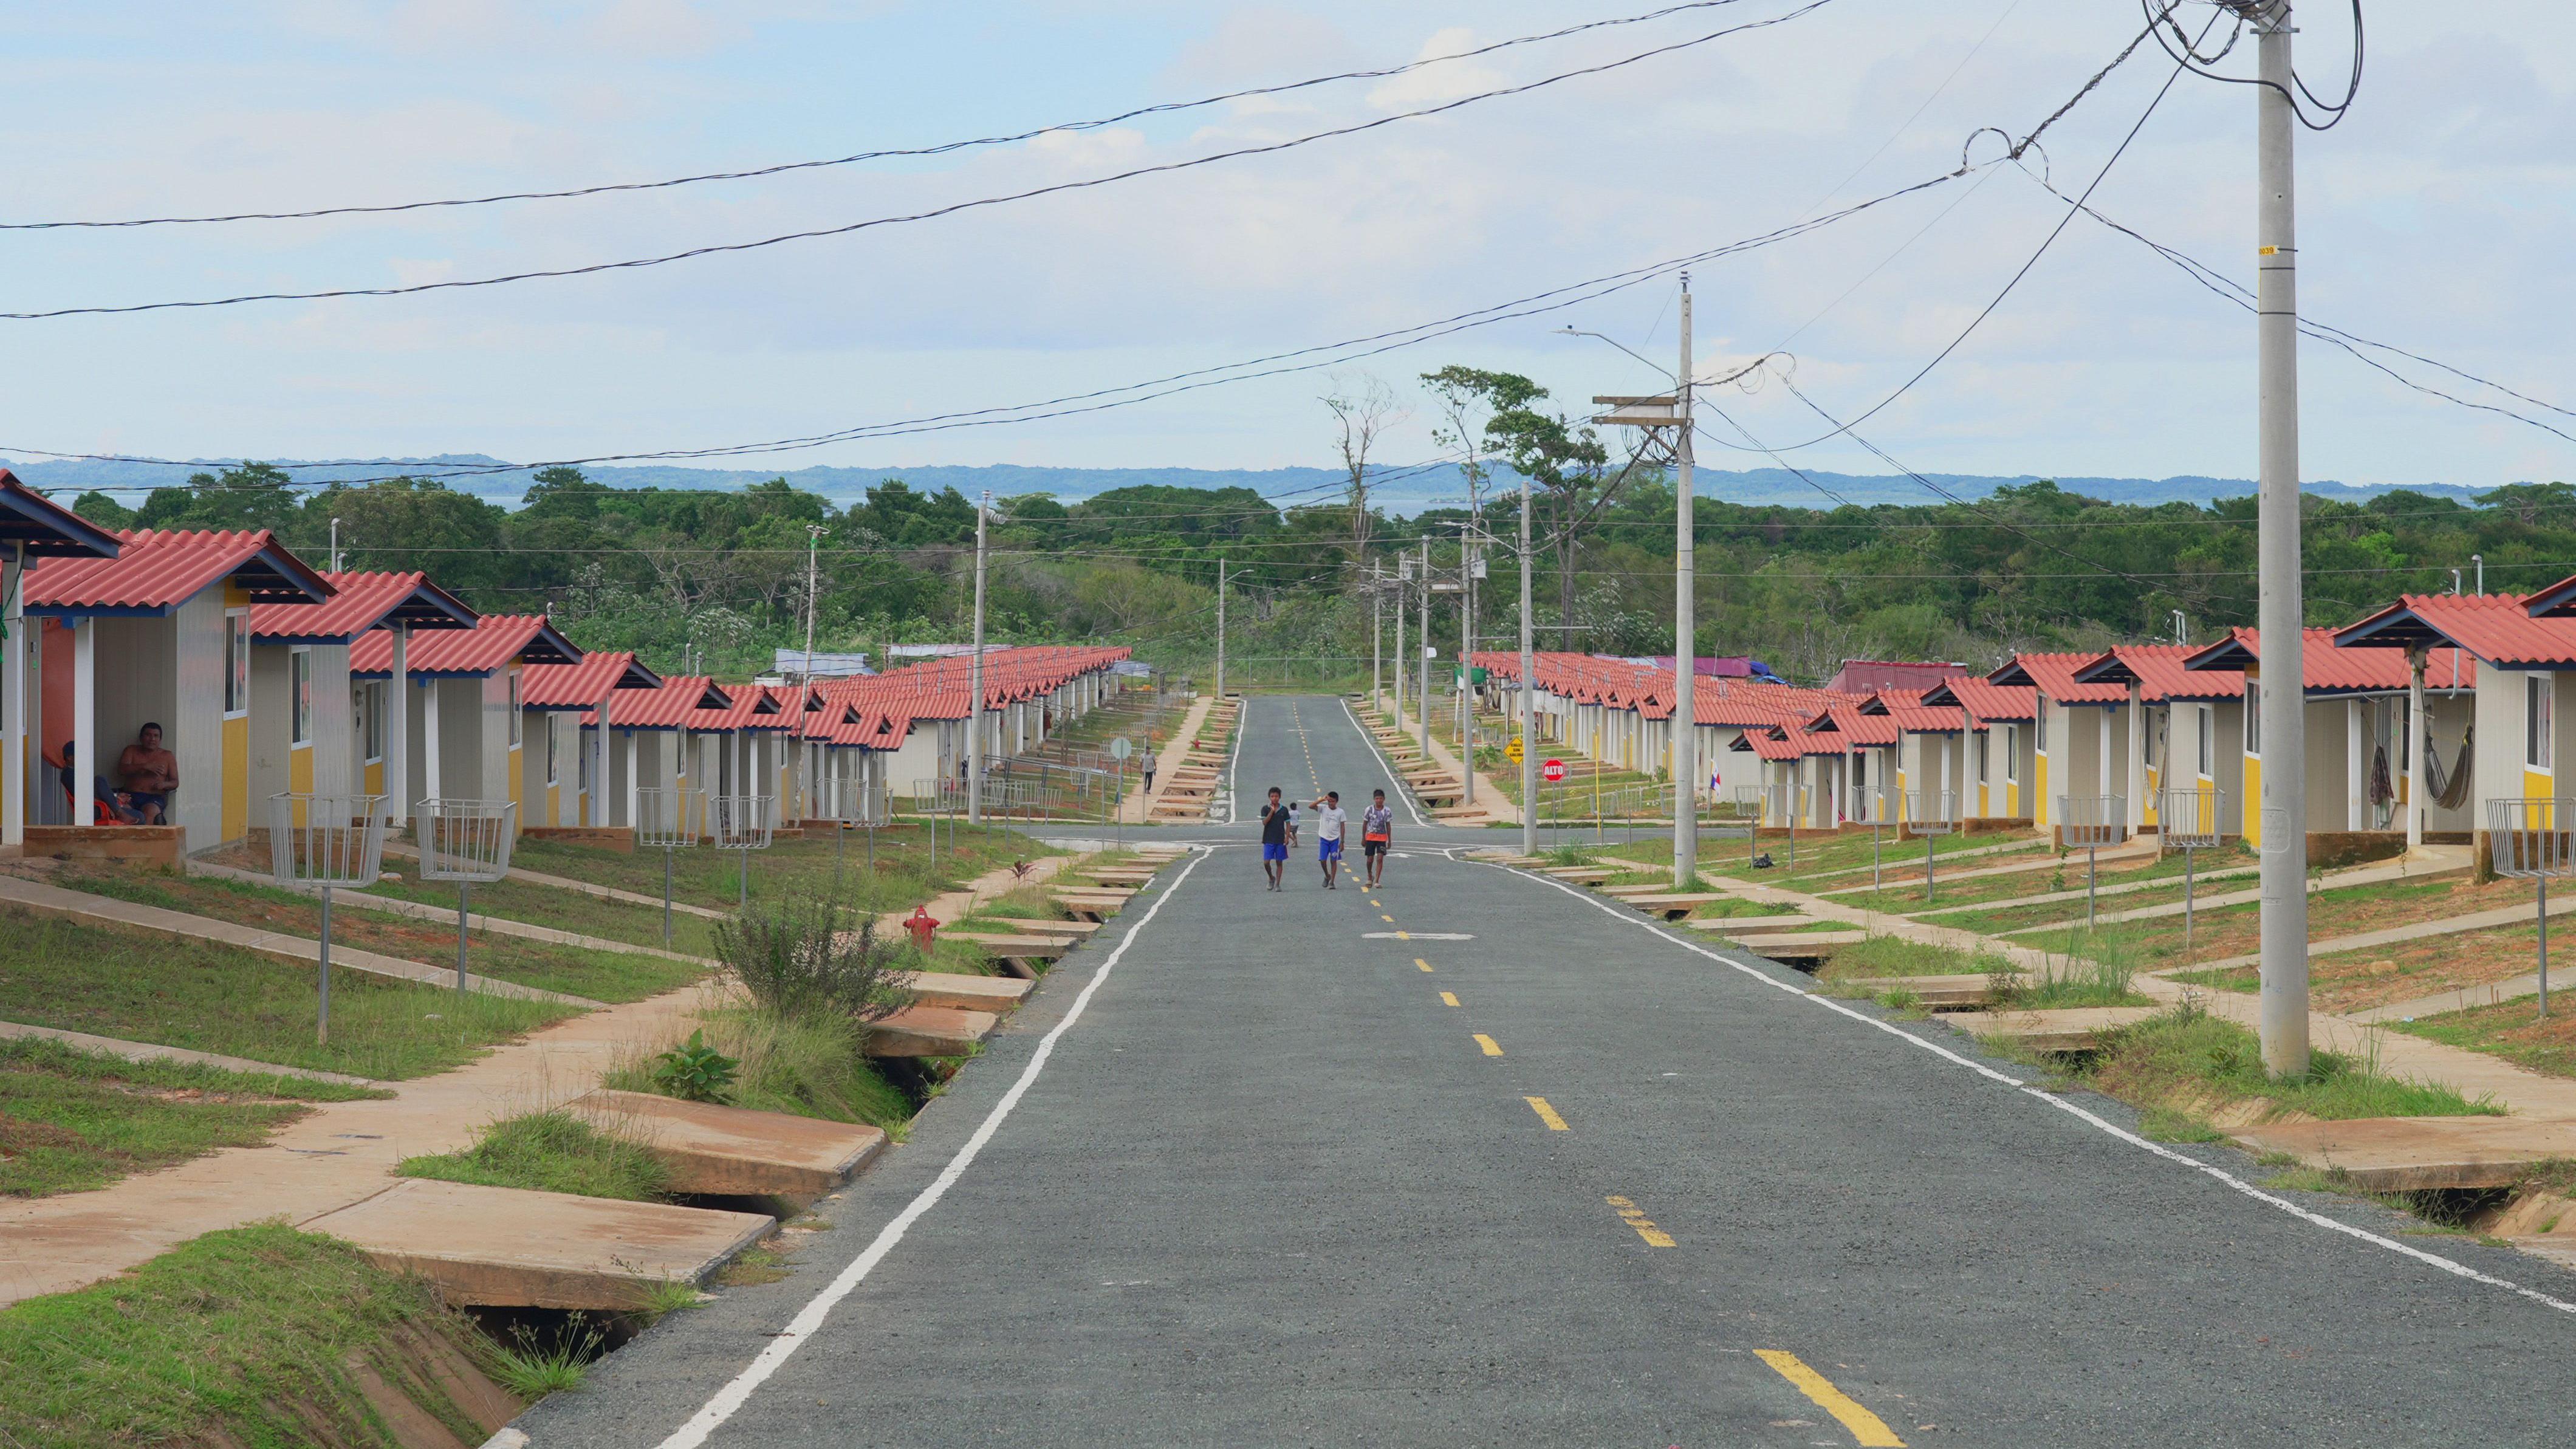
{"type": "Point", "coordinates": [466, 841]}
{"type": "Point", "coordinates": [2189, 819]}
{"type": "Point", "coordinates": [2087, 823]}
{"type": "Point", "coordinates": [2534, 840]}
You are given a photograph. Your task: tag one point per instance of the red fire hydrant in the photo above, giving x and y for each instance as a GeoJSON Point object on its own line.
{"type": "Point", "coordinates": [921, 926]}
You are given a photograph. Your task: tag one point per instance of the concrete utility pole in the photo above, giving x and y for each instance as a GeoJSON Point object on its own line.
{"type": "Point", "coordinates": [1529, 692]}
{"type": "Point", "coordinates": [1220, 628]}
{"type": "Point", "coordinates": [2279, 607]}
{"type": "Point", "coordinates": [1377, 636]}
{"type": "Point", "coordinates": [1685, 630]}
{"type": "Point", "coordinates": [975, 680]}
{"type": "Point", "coordinates": [1403, 572]}
{"type": "Point", "coordinates": [1466, 662]}
{"type": "Point", "coordinates": [1422, 691]}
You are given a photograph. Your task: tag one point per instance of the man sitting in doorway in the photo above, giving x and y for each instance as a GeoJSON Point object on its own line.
{"type": "Point", "coordinates": [110, 805]}
{"type": "Point", "coordinates": [150, 773]}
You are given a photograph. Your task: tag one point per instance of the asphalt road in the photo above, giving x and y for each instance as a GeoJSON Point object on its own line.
{"type": "Point", "coordinates": [1272, 1187]}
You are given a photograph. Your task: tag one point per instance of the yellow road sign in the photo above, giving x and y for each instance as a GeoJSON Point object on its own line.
{"type": "Point", "coordinates": [1512, 750]}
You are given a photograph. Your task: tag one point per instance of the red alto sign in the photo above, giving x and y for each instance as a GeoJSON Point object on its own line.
{"type": "Point", "coordinates": [1553, 771]}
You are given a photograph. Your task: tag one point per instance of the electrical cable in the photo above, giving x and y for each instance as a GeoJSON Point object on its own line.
{"type": "Point", "coordinates": [893, 153]}
{"type": "Point", "coordinates": [950, 209]}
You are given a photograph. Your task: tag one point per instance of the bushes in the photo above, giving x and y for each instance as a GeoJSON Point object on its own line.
{"type": "Point", "coordinates": [801, 959]}
{"type": "Point", "coordinates": [810, 1065]}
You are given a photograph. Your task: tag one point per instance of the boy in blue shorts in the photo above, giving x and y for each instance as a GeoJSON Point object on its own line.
{"type": "Point", "coordinates": [1329, 820]}
{"type": "Point", "coordinates": [1274, 839]}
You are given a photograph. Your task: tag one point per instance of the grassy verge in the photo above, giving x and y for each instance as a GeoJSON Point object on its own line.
{"type": "Point", "coordinates": [2063, 871]}
{"type": "Point", "coordinates": [554, 1151]}
{"type": "Point", "coordinates": [808, 1065]}
{"type": "Point", "coordinates": [240, 1337]}
{"type": "Point", "coordinates": [1882, 956]}
{"type": "Point", "coordinates": [576, 971]}
{"type": "Point", "coordinates": [544, 905]}
{"type": "Point", "coordinates": [2184, 1066]}
{"type": "Point", "coordinates": [2512, 1030]}
{"type": "Point", "coordinates": [73, 1120]}
{"type": "Point", "coordinates": [144, 986]}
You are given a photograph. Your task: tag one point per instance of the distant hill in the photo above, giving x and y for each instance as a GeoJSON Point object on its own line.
{"type": "Point", "coordinates": [491, 478]}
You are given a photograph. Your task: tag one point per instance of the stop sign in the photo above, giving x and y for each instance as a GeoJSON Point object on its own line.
{"type": "Point", "coordinates": [1553, 771]}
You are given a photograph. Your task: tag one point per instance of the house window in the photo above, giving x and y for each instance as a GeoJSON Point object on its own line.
{"type": "Point", "coordinates": [301, 662]}
{"type": "Point", "coordinates": [2041, 743]}
{"type": "Point", "coordinates": [237, 664]}
{"type": "Point", "coordinates": [2208, 735]}
{"type": "Point", "coordinates": [2253, 719]}
{"type": "Point", "coordinates": [369, 697]}
{"type": "Point", "coordinates": [2538, 724]}
{"type": "Point", "coordinates": [581, 762]}
{"type": "Point", "coordinates": [551, 776]}
{"type": "Point", "coordinates": [1983, 772]}
{"type": "Point", "coordinates": [514, 710]}
{"type": "Point", "coordinates": [2012, 754]}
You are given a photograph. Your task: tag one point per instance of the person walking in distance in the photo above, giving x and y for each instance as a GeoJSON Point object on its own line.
{"type": "Point", "coordinates": [1329, 820]}
{"type": "Point", "coordinates": [1274, 838]}
{"type": "Point", "coordinates": [1377, 831]}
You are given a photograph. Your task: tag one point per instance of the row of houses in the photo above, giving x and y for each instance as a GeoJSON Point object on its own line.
{"type": "Point", "coordinates": [2396, 706]}
{"type": "Point", "coordinates": [267, 676]}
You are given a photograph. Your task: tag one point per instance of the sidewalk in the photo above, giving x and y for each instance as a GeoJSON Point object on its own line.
{"type": "Point", "coordinates": [345, 1152]}
{"type": "Point", "coordinates": [1167, 763]}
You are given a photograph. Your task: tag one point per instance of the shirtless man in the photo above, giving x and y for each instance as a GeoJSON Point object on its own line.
{"type": "Point", "coordinates": [148, 774]}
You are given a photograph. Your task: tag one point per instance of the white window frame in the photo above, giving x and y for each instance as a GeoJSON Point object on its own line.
{"type": "Point", "coordinates": [551, 776]}
{"type": "Point", "coordinates": [2539, 721]}
{"type": "Point", "coordinates": [516, 736]}
{"type": "Point", "coordinates": [236, 663]}
{"type": "Point", "coordinates": [2012, 754]}
{"type": "Point", "coordinates": [2208, 739]}
{"type": "Point", "coordinates": [1985, 755]}
{"type": "Point", "coordinates": [2039, 727]}
{"type": "Point", "coordinates": [2254, 719]}
{"type": "Point", "coordinates": [299, 696]}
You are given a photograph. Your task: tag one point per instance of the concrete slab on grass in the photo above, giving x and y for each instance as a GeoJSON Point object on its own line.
{"type": "Point", "coordinates": [735, 1151]}
{"type": "Point", "coordinates": [2414, 1154]}
{"type": "Point", "coordinates": [2068, 1029]}
{"type": "Point", "coordinates": [504, 1247]}
{"type": "Point", "coordinates": [961, 992]}
{"type": "Point", "coordinates": [930, 1031]}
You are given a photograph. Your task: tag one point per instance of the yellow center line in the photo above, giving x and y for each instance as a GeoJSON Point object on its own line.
{"type": "Point", "coordinates": [1390, 920]}
{"type": "Point", "coordinates": [1449, 998]}
{"type": "Point", "coordinates": [1418, 961]}
{"type": "Point", "coordinates": [1866, 1427]}
{"type": "Point", "coordinates": [1488, 1043]}
{"type": "Point", "coordinates": [1546, 1113]}
{"type": "Point", "coordinates": [1636, 1218]}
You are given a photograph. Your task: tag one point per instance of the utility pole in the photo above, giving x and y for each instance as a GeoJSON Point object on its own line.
{"type": "Point", "coordinates": [1377, 636]}
{"type": "Point", "coordinates": [813, 576]}
{"type": "Point", "coordinates": [2279, 606]}
{"type": "Point", "coordinates": [335, 545]}
{"type": "Point", "coordinates": [1403, 573]}
{"type": "Point", "coordinates": [1220, 628]}
{"type": "Point", "coordinates": [1466, 665]}
{"type": "Point", "coordinates": [1529, 692]}
{"type": "Point", "coordinates": [975, 680]}
{"type": "Point", "coordinates": [1422, 693]}
{"type": "Point", "coordinates": [1685, 630]}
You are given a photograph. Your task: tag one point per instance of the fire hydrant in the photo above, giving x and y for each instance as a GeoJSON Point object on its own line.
{"type": "Point", "coordinates": [921, 926]}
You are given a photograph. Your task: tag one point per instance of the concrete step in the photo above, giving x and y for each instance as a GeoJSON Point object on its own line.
{"type": "Point", "coordinates": [1582, 874]}
{"type": "Point", "coordinates": [1798, 945]}
{"type": "Point", "coordinates": [504, 1247]}
{"type": "Point", "coordinates": [959, 991]}
{"type": "Point", "coordinates": [735, 1151]}
{"type": "Point", "coordinates": [1937, 993]}
{"type": "Point", "coordinates": [930, 1031]}
{"type": "Point", "coordinates": [1015, 948]}
{"type": "Point", "coordinates": [1022, 925]}
{"type": "Point", "coordinates": [1730, 925]}
{"type": "Point", "coordinates": [2072, 1029]}
{"type": "Point", "coordinates": [1673, 907]}
{"type": "Point", "coordinates": [2414, 1154]}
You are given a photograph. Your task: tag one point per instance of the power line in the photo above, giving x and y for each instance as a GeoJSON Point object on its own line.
{"type": "Point", "coordinates": [943, 148]}
{"type": "Point", "coordinates": [950, 209]}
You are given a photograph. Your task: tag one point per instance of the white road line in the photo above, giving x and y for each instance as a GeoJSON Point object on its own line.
{"type": "Point", "coordinates": [2238, 1184]}
{"type": "Point", "coordinates": [809, 1320]}
{"type": "Point", "coordinates": [1392, 778]}
{"type": "Point", "coordinates": [1234, 767]}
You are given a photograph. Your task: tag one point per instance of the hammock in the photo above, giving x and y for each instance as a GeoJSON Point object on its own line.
{"type": "Point", "coordinates": [2382, 793]}
{"type": "Point", "coordinates": [2450, 788]}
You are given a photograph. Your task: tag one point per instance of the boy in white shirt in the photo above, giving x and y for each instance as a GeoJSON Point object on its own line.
{"type": "Point", "coordinates": [1328, 836]}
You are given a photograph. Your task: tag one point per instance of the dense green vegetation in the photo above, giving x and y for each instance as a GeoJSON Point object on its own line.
{"type": "Point", "coordinates": [718, 578]}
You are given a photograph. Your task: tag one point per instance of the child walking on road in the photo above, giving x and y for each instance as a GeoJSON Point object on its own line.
{"type": "Point", "coordinates": [1274, 839]}
{"type": "Point", "coordinates": [1377, 831]}
{"type": "Point", "coordinates": [1329, 820]}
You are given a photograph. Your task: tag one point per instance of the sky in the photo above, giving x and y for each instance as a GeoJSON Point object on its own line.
{"type": "Point", "coordinates": [2435, 218]}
